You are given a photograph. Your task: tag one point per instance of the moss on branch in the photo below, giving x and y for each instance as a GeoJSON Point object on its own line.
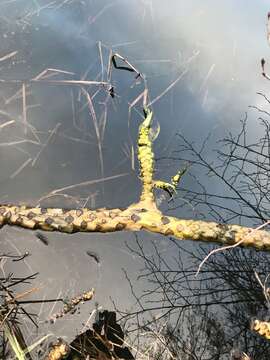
{"type": "Point", "coordinates": [143, 215]}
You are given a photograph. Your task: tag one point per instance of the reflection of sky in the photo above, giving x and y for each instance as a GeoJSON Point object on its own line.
{"type": "Point", "coordinates": [218, 44]}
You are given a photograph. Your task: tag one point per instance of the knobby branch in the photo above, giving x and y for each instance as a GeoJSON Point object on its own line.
{"type": "Point", "coordinates": [143, 215]}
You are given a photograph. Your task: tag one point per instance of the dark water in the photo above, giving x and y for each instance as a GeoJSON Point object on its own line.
{"type": "Point", "coordinates": [52, 142]}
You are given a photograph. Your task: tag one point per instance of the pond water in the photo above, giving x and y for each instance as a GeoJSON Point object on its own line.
{"type": "Point", "coordinates": [201, 66]}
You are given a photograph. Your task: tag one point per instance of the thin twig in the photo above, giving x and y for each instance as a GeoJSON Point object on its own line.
{"type": "Point", "coordinates": [228, 246]}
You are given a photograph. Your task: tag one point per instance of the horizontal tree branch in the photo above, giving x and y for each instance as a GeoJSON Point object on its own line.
{"type": "Point", "coordinates": [143, 215]}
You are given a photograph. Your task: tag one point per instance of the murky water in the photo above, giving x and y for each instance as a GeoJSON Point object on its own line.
{"type": "Point", "coordinates": [201, 64]}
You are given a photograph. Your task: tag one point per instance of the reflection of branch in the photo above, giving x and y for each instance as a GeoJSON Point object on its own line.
{"type": "Point", "coordinates": [227, 287]}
